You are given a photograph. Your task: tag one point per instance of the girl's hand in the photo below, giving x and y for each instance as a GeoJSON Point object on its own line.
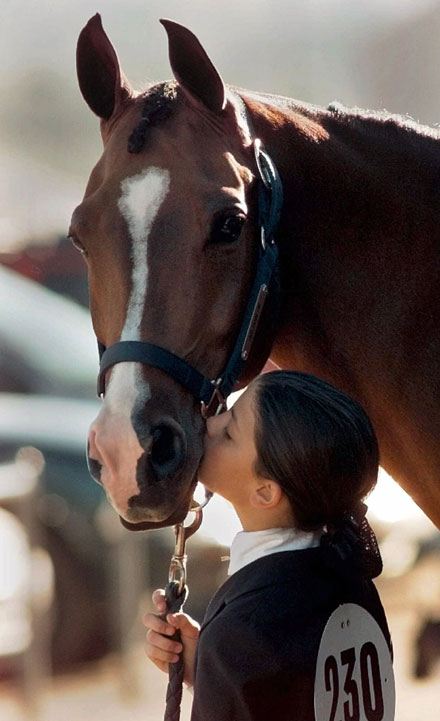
{"type": "Point", "coordinates": [160, 648]}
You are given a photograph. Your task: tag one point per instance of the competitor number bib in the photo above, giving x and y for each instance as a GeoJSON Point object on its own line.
{"type": "Point", "coordinates": [354, 678]}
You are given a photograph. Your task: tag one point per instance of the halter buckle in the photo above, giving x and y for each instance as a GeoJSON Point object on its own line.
{"type": "Point", "coordinates": [206, 408]}
{"type": "Point", "coordinates": [258, 146]}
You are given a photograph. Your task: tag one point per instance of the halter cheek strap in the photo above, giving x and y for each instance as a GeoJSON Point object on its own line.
{"type": "Point", "coordinates": [212, 394]}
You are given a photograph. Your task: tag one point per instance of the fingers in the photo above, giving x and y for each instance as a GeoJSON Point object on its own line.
{"type": "Point", "coordinates": [187, 626]}
{"type": "Point", "coordinates": [159, 600]}
{"type": "Point", "coordinates": [161, 649]}
{"type": "Point", "coordinates": [157, 624]}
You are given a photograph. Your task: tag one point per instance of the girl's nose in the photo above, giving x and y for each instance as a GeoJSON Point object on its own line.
{"type": "Point", "coordinates": [214, 424]}
{"type": "Point", "coordinates": [210, 425]}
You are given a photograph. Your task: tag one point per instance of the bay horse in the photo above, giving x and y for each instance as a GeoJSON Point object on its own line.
{"type": "Point", "coordinates": [170, 232]}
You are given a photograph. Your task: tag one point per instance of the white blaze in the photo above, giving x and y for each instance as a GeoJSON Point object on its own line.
{"type": "Point", "coordinates": [140, 200]}
{"type": "Point", "coordinates": [141, 197]}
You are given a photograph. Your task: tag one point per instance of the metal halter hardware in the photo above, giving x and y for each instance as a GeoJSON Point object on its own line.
{"type": "Point", "coordinates": [212, 394]}
{"type": "Point", "coordinates": [177, 570]}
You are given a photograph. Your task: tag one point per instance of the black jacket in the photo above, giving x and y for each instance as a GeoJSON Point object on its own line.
{"type": "Point", "coordinates": [260, 637]}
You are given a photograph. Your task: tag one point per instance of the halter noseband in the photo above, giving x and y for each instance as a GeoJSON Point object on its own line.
{"type": "Point", "coordinates": [213, 393]}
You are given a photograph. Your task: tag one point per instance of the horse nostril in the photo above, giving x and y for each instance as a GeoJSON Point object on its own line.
{"type": "Point", "coordinates": [167, 450]}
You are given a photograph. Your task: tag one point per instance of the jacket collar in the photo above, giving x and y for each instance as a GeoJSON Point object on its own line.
{"type": "Point", "coordinates": [248, 546]}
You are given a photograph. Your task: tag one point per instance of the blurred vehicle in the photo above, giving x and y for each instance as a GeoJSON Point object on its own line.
{"type": "Point", "coordinates": [26, 582]}
{"type": "Point", "coordinates": [65, 511]}
{"type": "Point", "coordinates": [56, 265]}
{"type": "Point", "coordinates": [15, 560]}
{"type": "Point", "coordinates": [47, 344]}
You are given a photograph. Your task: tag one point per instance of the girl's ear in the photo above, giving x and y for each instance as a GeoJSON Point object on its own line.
{"type": "Point", "coordinates": [267, 494]}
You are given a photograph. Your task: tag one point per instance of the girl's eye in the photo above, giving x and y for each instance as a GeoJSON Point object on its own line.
{"type": "Point", "coordinates": [227, 229]}
{"type": "Point", "coordinates": [227, 434]}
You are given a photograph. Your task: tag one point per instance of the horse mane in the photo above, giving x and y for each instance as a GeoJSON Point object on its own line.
{"type": "Point", "coordinates": [158, 103]}
{"type": "Point", "coordinates": [381, 119]}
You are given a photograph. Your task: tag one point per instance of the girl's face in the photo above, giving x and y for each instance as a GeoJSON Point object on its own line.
{"type": "Point", "coordinates": [227, 466]}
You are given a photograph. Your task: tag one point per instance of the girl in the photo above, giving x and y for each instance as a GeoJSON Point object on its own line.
{"type": "Point", "coordinates": [296, 458]}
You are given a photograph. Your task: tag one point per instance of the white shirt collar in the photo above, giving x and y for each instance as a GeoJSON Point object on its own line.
{"type": "Point", "coordinates": [248, 546]}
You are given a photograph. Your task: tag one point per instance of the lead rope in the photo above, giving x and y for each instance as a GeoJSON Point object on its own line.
{"type": "Point", "coordinates": [175, 601]}
{"type": "Point", "coordinates": [176, 592]}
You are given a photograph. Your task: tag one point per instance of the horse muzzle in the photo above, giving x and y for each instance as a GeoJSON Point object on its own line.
{"type": "Point", "coordinates": [144, 468]}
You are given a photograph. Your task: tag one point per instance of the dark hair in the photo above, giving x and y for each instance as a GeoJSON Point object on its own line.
{"type": "Point", "coordinates": [157, 105]}
{"type": "Point", "coordinates": [317, 443]}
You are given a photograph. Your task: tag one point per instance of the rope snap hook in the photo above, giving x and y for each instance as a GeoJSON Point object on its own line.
{"type": "Point", "coordinates": [177, 571]}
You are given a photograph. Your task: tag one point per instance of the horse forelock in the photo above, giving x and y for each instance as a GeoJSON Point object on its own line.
{"type": "Point", "coordinates": [158, 104]}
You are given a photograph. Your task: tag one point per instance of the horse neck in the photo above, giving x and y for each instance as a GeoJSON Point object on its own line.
{"type": "Point", "coordinates": [391, 158]}
{"type": "Point", "coordinates": [359, 238]}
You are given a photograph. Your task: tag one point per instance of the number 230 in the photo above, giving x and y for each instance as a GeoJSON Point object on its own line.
{"type": "Point", "coordinates": [369, 666]}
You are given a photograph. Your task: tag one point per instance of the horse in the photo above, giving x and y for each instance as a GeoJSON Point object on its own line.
{"type": "Point", "coordinates": [169, 227]}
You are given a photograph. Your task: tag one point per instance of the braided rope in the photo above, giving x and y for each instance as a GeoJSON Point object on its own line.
{"type": "Point", "coordinates": [175, 601]}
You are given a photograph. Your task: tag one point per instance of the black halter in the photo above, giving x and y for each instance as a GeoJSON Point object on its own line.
{"type": "Point", "coordinates": [213, 393]}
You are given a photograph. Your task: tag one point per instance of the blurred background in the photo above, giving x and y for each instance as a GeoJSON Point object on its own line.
{"type": "Point", "coordinates": [73, 583]}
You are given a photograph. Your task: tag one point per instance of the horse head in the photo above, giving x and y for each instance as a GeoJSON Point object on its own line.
{"type": "Point", "coordinates": [168, 230]}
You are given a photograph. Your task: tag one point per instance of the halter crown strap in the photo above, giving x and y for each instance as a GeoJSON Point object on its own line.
{"type": "Point", "coordinates": [213, 393]}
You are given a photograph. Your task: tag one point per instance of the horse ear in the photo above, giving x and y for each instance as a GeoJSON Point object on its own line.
{"type": "Point", "coordinates": [192, 67]}
{"type": "Point", "coordinates": [101, 80]}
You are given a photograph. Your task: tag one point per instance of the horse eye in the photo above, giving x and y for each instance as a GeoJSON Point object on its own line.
{"type": "Point", "coordinates": [77, 244]}
{"type": "Point", "coordinates": [227, 229]}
